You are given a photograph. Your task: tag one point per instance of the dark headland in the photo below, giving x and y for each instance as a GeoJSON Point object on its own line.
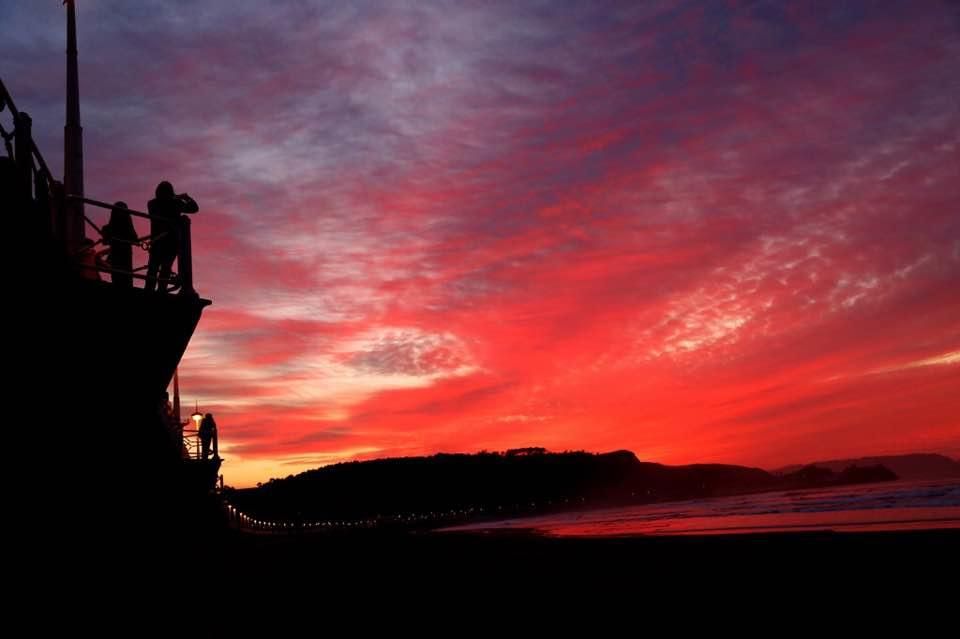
{"type": "Point", "coordinates": [481, 485]}
{"type": "Point", "coordinates": [534, 481]}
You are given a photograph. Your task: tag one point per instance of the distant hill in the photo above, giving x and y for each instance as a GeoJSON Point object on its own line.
{"type": "Point", "coordinates": [515, 482]}
{"type": "Point", "coordinates": [916, 467]}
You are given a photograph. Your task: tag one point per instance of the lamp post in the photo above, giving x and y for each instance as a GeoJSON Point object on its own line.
{"type": "Point", "coordinates": [197, 417]}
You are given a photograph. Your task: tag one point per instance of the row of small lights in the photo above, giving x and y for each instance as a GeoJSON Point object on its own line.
{"type": "Point", "coordinates": [252, 522]}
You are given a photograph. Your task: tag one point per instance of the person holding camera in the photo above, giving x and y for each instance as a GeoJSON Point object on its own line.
{"type": "Point", "coordinates": [165, 211]}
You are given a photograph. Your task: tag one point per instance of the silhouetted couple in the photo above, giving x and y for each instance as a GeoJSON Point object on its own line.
{"type": "Point", "coordinates": [165, 236]}
{"type": "Point", "coordinates": [165, 230]}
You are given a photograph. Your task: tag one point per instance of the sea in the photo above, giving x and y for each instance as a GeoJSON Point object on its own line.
{"type": "Point", "coordinates": [883, 506]}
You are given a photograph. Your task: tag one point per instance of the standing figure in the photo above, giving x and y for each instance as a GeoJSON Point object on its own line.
{"type": "Point", "coordinates": [120, 236]}
{"type": "Point", "coordinates": [165, 211]}
{"type": "Point", "coordinates": [208, 433]}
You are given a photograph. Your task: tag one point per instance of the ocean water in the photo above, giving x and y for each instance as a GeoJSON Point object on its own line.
{"type": "Point", "coordinates": [881, 506]}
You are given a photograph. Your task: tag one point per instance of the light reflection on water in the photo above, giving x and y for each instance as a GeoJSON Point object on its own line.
{"type": "Point", "coordinates": [882, 506]}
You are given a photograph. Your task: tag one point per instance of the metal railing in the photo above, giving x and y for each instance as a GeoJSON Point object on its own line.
{"type": "Point", "coordinates": [182, 279]}
{"type": "Point", "coordinates": [35, 187]}
{"type": "Point", "coordinates": [192, 445]}
{"type": "Point", "coordinates": [26, 150]}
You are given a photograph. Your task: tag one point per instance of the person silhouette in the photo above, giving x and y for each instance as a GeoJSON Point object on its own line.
{"type": "Point", "coordinates": [165, 210]}
{"type": "Point", "coordinates": [208, 431]}
{"type": "Point", "coordinates": [120, 236]}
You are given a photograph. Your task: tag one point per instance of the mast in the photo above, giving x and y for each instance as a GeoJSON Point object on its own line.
{"type": "Point", "coordinates": [176, 395]}
{"type": "Point", "coordinates": [73, 231]}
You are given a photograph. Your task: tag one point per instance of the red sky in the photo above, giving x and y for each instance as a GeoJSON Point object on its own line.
{"type": "Point", "coordinates": [700, 231]}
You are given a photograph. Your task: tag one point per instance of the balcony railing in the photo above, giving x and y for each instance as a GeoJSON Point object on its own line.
{"type": "Point", "coordinates": [35, 189]}
{"type": "Point", "coordinates": [90, 259]}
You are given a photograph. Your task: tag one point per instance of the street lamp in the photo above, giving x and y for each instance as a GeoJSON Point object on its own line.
{"type": "Point", "coordinates": [197, 416]}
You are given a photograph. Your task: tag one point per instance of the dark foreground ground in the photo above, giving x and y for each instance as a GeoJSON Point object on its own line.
{"type": "Point", "coordinates": [415, 580]}
{"type": "Point", "coordinates": [505, 557]}
{"type": "Point", "coordinates": [915, 573]}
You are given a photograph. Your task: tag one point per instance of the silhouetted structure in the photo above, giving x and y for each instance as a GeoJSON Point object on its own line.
{"type": "Point", "coordinates": [71, 220]}
{"type": "Point", "coordinates": [97, 356]}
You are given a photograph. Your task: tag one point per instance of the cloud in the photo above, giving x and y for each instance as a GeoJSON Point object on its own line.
{"type": "Point", "coordinates": [696, 230]}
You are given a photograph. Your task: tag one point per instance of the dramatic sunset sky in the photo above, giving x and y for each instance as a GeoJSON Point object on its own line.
{"type": "Point", "coordinates": [701, 230]}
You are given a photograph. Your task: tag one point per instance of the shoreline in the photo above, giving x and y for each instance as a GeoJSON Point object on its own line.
{"type": "Point", "coordinates": [475, 544]}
